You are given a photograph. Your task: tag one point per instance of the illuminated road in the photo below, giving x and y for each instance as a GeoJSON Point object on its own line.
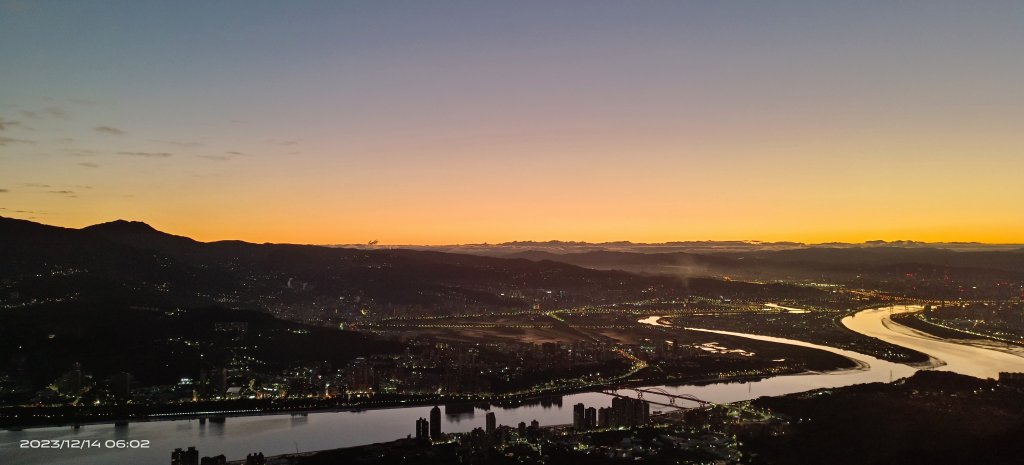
{"type": "Point", "coordinates": [974, 358]}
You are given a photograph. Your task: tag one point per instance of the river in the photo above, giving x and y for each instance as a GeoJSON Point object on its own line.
{"type": "Point", "coordinates": [278, 434]}
{"type": "Point", "coordinates": [969, 357]}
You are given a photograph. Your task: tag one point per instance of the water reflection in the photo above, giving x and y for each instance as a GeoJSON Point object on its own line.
{"type": "Point", "coordinates": [977, 358]}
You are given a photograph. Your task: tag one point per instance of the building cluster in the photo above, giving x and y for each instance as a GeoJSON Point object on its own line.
{"type": "Point", "coordinates": [623, 413]}
{"type": "Point", "coordinates": [190, 456]}
{"type": "Point", "coordinates": [429, 430]}
{"type": "Point", "coordinates": [1007, 317]}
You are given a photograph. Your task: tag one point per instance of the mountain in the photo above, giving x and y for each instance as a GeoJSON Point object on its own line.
{"type": "Point", "coordinates": [887, 256]}
{"type": "Point", "coordinates": [141, 235]}
{"type": "Point", "coordinates": [968, 271]}
{"type": "Point", "coordinates": [135, 263]}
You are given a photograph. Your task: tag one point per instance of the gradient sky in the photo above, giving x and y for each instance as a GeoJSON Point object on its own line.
{"type": "Point", "coordinates": [469, 121]}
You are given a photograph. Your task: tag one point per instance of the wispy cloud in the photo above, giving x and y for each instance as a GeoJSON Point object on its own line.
{"type": "Point", "coordinates": [147, 154]}
{"type": "Point", "coordinates": [110, 130]}
{"type": "Point", "coordinates": [36, 184]}
{"type": "Point", "coordinates": [80, 152]}
{"type": "Point", "coordinates": [6, 124]}
{"type": "Point", "coordinates": [88, 165]}
{"type": "Point", "coordinates": [11, 140]}
{"type": "Point", "coordinates": [61, 192]}
{"type": "Point", "coordinates": [180, 143]}
{"type": "Point", "coordinates": [48, 112]}
{"type": "Point", "coordinates": [4, 190]}
{"type": "Point", "coordinates": [223, 157]}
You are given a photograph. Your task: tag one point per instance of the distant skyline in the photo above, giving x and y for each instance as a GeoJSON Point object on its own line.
{"type": "Point", "coordinates": [331, 122]}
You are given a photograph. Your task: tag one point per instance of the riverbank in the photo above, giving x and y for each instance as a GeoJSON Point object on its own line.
{"type": "Point", "coordinates": [930, 417]}
{"type": "Point", "coordinates": [51, 417]}
{"type": "Point", "coordinates": [969, 357]}
{"type": "Point", "coordinates": [820, 327]}
{"type": "Point", "coordinates": [938, 331]}
{"type": "Point", "coordinates": [282, 433]}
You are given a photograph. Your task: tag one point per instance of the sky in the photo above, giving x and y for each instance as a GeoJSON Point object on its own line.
{"type": "Point", "coordinates": [445, 122]}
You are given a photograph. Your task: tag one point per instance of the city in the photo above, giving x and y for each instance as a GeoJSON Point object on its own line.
{"type": "Point", "coordinates": [653, 369]}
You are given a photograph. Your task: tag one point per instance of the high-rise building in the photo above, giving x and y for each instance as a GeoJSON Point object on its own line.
{"type": "Point", "coordinates": [221, 381]}
{"type": "Point", "coordinates": [620, 413]}
{"type": "Point", "coordinates": [492, 424]}
{"type": "Point", "coordinates": [602, 417]}
{"type": "Point", "coordinates": [121, 385]}
{"type": "Point", "coordinates": [215, 460]}
{"type": "Point", "coordinates": [522, 429]}
{"type": "Point", "coordinates": [590, 418]}
{"type": "Point", "coordinates": [435, 423]}
{"type": "Point", "coordinates": [578, 417]}
{"type": "Point", "coordinates": [185, 457]}
{"type": "Point", "coordinates": [422, 429]}
{"type": "Point", "coordinates": [626, 412]}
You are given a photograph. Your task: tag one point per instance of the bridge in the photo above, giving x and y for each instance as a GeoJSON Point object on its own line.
{"type": "Point", "coordinates": [672, 398]}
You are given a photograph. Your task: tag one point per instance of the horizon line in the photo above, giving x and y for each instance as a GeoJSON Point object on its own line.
{"type": "Point", "coordinates": [374, 243]}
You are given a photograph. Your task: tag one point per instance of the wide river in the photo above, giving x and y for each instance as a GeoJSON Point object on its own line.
{"type": "Point", "coordinates": [278, 434]}
{"type": "Point", "coordinates": [981, 359]}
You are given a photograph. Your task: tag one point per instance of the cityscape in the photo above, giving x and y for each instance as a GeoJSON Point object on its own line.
{"type": "Point", "coordinates": [255, 233]}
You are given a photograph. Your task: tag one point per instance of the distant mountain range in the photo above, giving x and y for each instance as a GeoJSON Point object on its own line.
{"type": "Point", "coordinates": [768, 260]}
{"type": "Point", "coordinates": [810, 262]}
{"type": "Point", "coordinates": [133, 263]}
{"type": "Point", "coordinates": [694, 246]}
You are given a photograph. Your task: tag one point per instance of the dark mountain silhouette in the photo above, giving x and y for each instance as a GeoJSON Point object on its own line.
{"type": "Point", "coordinates": [136, 263]}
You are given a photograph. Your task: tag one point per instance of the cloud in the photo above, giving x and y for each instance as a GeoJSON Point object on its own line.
{"type": "Point", "coordinates": [180, 143]}
{"type": "Point", "coordinates": [5, 124]}
{"type": "Point", "coordinates": [9, 140]}
{"type": "Point", "coordinates": [223, 157]}
{"type": "Point", "coordinates": [80, 152]}
{"type": "Point", "coordinates": [147, 154]}
{"type": "Point", "coordinates": [36, 184]}
{"type": "Point", "coordinates": [62, 192]}
{"type": "Point", "coordinates": [48, 112]}
{"type": "Point", "coordinates": [4, 190]}
{"type": "Point", "coordinates": [88, 165]}
{"type": "Point", "coordinates": [110, 130]}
